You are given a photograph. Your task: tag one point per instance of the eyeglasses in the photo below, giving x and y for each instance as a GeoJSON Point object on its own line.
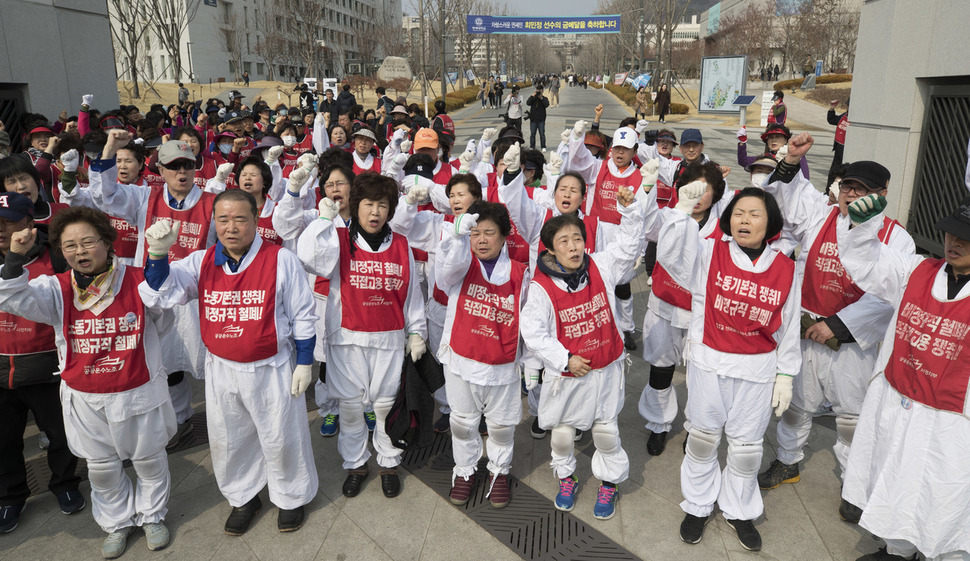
{"type": "Point", "coordinates": [86, 244]}
{"type": "Point", "coordinates": [180, 165]}
{"type": "Point", "coordinates": [859, 189]}
{"type": "Point", "coordinates": [335, 184]}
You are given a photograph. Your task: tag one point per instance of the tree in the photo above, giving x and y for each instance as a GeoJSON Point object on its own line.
{"type": "Point", "coordinates": [306, 30]}
{"type": "Point", "coordinates": [233, 39]}
{"type": "Point", "coordinates": [129, 23]}
{"type": "Point", "coordinates": [170, 19]}
{"type": "Point", "coordinates": [274, 44]}
{"type": "Point", "coordinates": [667, 14]}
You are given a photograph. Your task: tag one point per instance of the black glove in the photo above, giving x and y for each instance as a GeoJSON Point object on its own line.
{"type": "Point", "coordinates": [651, 137]}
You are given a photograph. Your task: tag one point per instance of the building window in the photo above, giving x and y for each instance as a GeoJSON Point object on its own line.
{"type": "Point", "coordinates": [232, 67]}
{"type": "Point", "coordinates": [248, 66]}
{"type": "Point", "coordinates": [260, 68]}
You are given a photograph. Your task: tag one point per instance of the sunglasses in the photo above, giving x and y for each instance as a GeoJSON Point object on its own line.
{"type": "Point", "coordinates": [179, 165]}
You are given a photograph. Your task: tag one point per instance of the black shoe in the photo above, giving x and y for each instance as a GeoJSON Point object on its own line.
{"type": "Point", "coordinates": [656, 443]}
{"type": "Point", "coordinates": [777, 473]}
{"type": "Point", "coordinates": [748, 535]}
{"type": "Point", "coordinates": [692, 528]}
{"type": "Point", "coordinates": [290, 520]}
{"type": "Point", "coordinates": [883, 555]}
{"type": "Point", "coordinates": [70, 501]}
{"type": "Point", "coordinates": [537, 431]}
{"type": "Point", "coordinates": [849, 512]}
{"type": "Point", "coordinates": [242, 516]}
{"type": "Point", "coordinates": [390, 483]}
{"type": "Point", "coordinates": [354, 479]}
{"type": "Point", "coordinates": [10, 517]}
{"type": "Point", "coordinates": [443, 424]}
{"type": "Point", "coordinates": [629, 341]}
{"type": "Point", "coordinates": [482, 427]}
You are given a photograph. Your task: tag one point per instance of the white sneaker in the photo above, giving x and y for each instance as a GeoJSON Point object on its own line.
{"type": "Point", "coordinates": [116, 542]}
{"type": "Point", "coordinates": [157, 535]}
{"type": "Point", "coordinates": [43, 442]}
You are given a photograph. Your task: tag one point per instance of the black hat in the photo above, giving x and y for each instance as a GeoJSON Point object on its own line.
{"type": "Point", "coordinates": [234, 94]}
{"type": "Point", "coordinates": [873, 175]}
{"type": "Point", "coordinates": [958, 223]}
{"type": "Point", "coordinates": [415, 166]}
{"type": "Point", "coordinates": [233, 116]}
{"type": "Point", "coordinates": [212, 109]}
{"type": "Point", "coordinates": [15, 207]}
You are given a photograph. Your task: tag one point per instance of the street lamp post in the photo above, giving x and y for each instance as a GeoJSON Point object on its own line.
{"type": "Point", "coordinates": [191, 73]}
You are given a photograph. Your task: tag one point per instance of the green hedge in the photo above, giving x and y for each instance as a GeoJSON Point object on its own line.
{"type": "Point", "coordinates": [457, 99]}
{"type": "Point", "coordinates": [824, 79]}
{"type": "Point", "coordinates": [629, 96]}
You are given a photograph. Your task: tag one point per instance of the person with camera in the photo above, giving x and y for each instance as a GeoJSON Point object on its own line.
{"type": "Point", "coordinates": [537, 103]}
{"type": "Point", "coordinates": [513, 108]}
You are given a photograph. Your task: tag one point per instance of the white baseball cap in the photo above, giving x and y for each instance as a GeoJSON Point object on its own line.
{"type": "Point", "coordinates": [626, 137]}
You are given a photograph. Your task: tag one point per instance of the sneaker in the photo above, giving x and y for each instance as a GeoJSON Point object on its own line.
{"type": "Point", "coordinates": [777, 473]}
{"type": "Point", "coordinates": [10, 517]}
{"type": "Point", "coordinates": [70, 501]}
{"type": "Point", "coordinates": [181, 432]}
{"type": "Point", "coordinates": [443, 424]}
{"type": "Point", "coordinates": [656, 443]}
{"type": "Point", "coordinates": [605, 506]}
{"type": "Point", "coordinates": [43, 442]}
{"type": "Point", "coordinates": [849, 512]}
{"type": "Point", "coordinates": [242, 516]}
{"type": "Point", "coordinates": [629, 341]}
{"type": "Point", "coordinates": [157, 535]}
{"type": "Point", "coordinates": [116, 543]}
{"type": "Point", "coordinates": [566, 498]}
{"type": "Point", "coordinates": [883, 555]}
{"type": "Point", "coordinates": [649, 281]}
{"type": "Point", "coordinates": [537, 431]}
{"type": "Point", "coordinates": [370, 419]}
{"type": "Point", "coordinates": [748, 535]}
{"type": "Point", "coordinates": [578, 435]}
{"type": "Point", "coordinates": [461, 489]}
{"type": "Point", "coordinates": [329, 426]}
{"type": "Point", "coordinates": [692, 528]}
{"type": "Point", "coordinates": [290, 520]}
{"type": "Point", "coordinates": [483, 427]}
{"type": "Point", "coordinates": [499, 492]}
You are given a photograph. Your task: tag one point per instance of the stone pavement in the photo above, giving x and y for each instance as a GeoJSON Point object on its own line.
{"type": "Point", "coordinates": [801, 521]}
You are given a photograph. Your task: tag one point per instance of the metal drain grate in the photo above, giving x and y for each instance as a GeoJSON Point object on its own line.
{"type": "Point", "coordinates": [530, 525]}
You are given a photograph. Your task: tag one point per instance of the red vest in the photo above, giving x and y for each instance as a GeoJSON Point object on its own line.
{"type": "Point", "coordinates": [289, 158]}
{"type": "Point", "coordinates": [591, 225]}
{"type": "Point", "coordinates": [204, 173]}
{"type": "Point", "coordinates": [841, 128]}
{"type": "Point", "coordinates": [486, 326]}
{"type": "Point", "coordinates": [19, 336]}
{"type": "Point", "coordinates": [237, 313]}
{"type": "Point", "coordinates": [302, 146]}
{"type": "Point", "coordinates": [518, 247]}
{"type": "Point", "coordinates": [742, 311]}
{"type": "Point", "coordinates": [194, 232]}
{"type": "Point", "coordinates": [604, 196]}
{"type": "Point", "coordinates": [584, 320]}
{"type": "Point", "coordinates": [374, 286]}
{"type": "Point", "coordinates": [55, 208]}
{"type": "Point", "coordinates": [444, 174]}
{"type": "Point", "coordinates": [375, 166]}
{"type": "Point", "coordinates": [321, 286]}
{"type": "Point", "coordinates": [665, 288]}
{"type": "Point", "coordinates": [106, 351]}
{"type": "Point", "coordinates": [264, 225]}
{"type": "Point", "coordinates": [826, 286]}
{"type": "Point", "coordinates": [930, 356]}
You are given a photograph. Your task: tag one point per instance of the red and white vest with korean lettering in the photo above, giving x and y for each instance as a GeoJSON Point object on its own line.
{"type": "Point", "coordinates": [841, 129]}
{"type": "Point", "coordinates": [374, 286]}
{"type": "Point", "coordinates": [742, 311]}
{"type": "Point", "coordinates": [437, 294]}
{"type": "Point", "coordinates": [204, 173]}
{"type": "Point", "coordinates": [237, 312]}
{"type": "Point", "coordinates": [930, 352]}
{"type": "Point", "coordinates": [607, 186]}
{"type": "Point", "coordinates": [194, 232]}
{"type": "Point", "coordinates": [264, 226]}
{"type": "Point", "coordinates": [375, 165]}
{"type": "Point", "coordinates": [486, 326]}
{"type": "Point", "coordinates": [590, 223]}
{"type": "Point", "coordinates": [665, 288]}
{"type": "Point", "coordinates": [105, 351]}
{"type": "Point", "coordinates": [518, 247]}
{"type": "Point", "coordinates": [19, 336]}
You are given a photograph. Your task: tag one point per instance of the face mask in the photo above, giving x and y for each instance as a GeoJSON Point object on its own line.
{"type": "Point", "coordinates": [288, 141]}
{"type": "Point", "coordinates": [225, 148]}
{"type": "Point", "coordinates": [757, 179]}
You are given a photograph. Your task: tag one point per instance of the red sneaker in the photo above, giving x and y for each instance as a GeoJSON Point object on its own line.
{"type": "Point", "coordinates": [499, 491]}
{"type": "Point", "coordinates": [461, 489]}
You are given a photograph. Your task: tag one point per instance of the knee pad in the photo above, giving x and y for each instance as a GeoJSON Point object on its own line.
{"type": "Point", "coordinates": [463, 426]}
{"type": "Point", "coordinates": [845, 427]}
{"type": "Point", "coordinates": [606, 437]}
{"type": "Point", "coordinates": [382, 406]}
{"type": "Point", "coordinates": [500, 434]}
{"type": "Point", "coordinates": [744, 458]}
{"type": "Point", "coordinates": [702, 445]}
{"type": "Point", "coordinates": [661, 376]}
{"type": "Point", "coordinates": [152, 467]}
{"type": "Point", "coordinates": [175, 378]}
{"type": "Point", "coordinates": [796, 416]}
{"type": "Point", "coordinates": [105, 474]}
{"type": "Point", "coordinates": [561, 440]}
{"type": "Point", "coordinates": [623, 291]}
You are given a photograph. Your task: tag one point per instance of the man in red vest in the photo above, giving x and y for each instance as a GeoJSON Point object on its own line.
{"type": "Point", "coordinates": [841, 123]}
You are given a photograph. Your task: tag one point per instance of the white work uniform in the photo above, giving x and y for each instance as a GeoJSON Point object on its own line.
{"type": "Point", "coordinates": [907, 467]}
{"type": "Point", "coordinates": [594, 400]}
{"type": "Point", "coordinates": [840, 377]}
{"type": "Point", "coordinates": [363, 368]}
{"type": "Point", "coordinates": [726, 390]}
{"type": "Point", "coordinates": [258, 432]}
{"type": "Point", "coordinates": [107, 428]}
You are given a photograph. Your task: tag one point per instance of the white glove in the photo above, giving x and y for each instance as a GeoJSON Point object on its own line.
{"type": "Point", "coordinates": [531, 376]}
{"type": "Point", "coordinates": [511, 158]}
{"type": "Point", "coordinates": [564, 136]}
{"type": "Point", "coordinates": [273, 155]}
{"type": "Point", "coordinates": [743, 134]}
{"type": "Point", "coordinates": [466, 159]}
{"type": "Point", "coordinates": [641, 126]}
{"type": "Point", "coordinates": [221, 112]}
{"type": "Point", "coordinates": [649, 171]}
{"type": "Point", "coordinates": [308, 161]}
{"type": "Point", "coordinates": [398, 137]}
{"type": "Point", "coordinates": [415, 347]}
{"type": "Point", "coordinates": [782, 152]}
{"type": "Point", "coordinates": [328, 208]}
{"type": "Point", "coordinates": [861, 210]}
{"type": "Point", "coordinates": [70, 160]}
{"type": "Point", "coordinates": [781, 394]}
{"type": "Point", "coordinates": [161, 236]}
{"type": "Point", "coordinates": [302, 376]}
{"type": "Point", "coordinates": [416, 194]}
{"type": "Point", "coordinates": [579, 129]}
{"type": "Point", "coordinates": [87, 99]}
{"type": "Point", "coordinates": [295, 182]}
{"type": "Point", "coordinates": [834, 189]}
{"type": "Point", "coordinates": [489, 134]}
{"type": "Point", "coordinates": [320, 119]}
{"type": "Point", "coordinates": [406, 146]}
{"type": "Point", "coordinates": [554, 167]}
{"type": "Point", "coordinates": [139, 141]}
{"type": "Point", "coordinates": [689, 195]}
{"type": "Point", "coordinates": [465, 223]}
{"type": "Point", "coordinates": [223, 171]}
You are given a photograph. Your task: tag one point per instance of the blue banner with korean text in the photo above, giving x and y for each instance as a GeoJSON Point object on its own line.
{"type": "Point", "coordinates": [516, 24]}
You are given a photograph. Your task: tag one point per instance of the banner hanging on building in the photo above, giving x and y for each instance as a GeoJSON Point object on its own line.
{"type": "Point", "coordinates": [517, 24]}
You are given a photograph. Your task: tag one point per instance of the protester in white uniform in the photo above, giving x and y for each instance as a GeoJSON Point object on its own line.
{"type": "Point", "coordinates": [256, 315]}
{"type": "Point", "coordinates": [907, 468]}
{"type": "Point", "coordinates": [842, 325]}
{"type": "Point", "coordinates": [113, 390]}
{"type": "Point", "coordinates": [742, 351]}
{"type": "Point", "coordinates": [375, 314]}
{"type": "Point", "coordinates": [568, 323]}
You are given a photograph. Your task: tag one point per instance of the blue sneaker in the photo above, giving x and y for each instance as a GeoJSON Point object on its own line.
{"type": "Point", "coordinates": [371, 419]}
{"type": "Point", "coordinates": [70, 501]}
{"type": "Point", "coordinates": [605, 503]}
{"type": "Point", "coordinates": [566, 498]}
{"type": "Point", "coordinates": [10, 517]}
{"type": "Point", "coordinates": [329, 426]}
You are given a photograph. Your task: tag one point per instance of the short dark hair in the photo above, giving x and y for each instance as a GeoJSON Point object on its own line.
{"type": "Point", "coordinates": [496, 212]}
{"type": "Point", "coordinates": [191, 131]}
{"type": "Point", "coordinates": [347, 171]}
{"type": "Point", "coordinates": [775, 220]}
{"type": "Point", "coordinates": [474, 185]}
{"type": "Point", "coordinates": [575, 175]}
{"type": "Point", "coordinates": [16, 164]}
{"type": "Point", "coordinates": [837, 171]}
{"type": "Point", "coordinates": [238, 195]}
{"type": "Point", "coordinates": [264, 171]}
{"type": "Point", "coordinates": [346, 87]}
{"type": "Point", "coordinates": [552, 227]}
{"type": "Point", "coordinates": [709, 172]}
{"type": "Point", "coordinates": [375, 187]}
{"type": "Point", "coordinates": [779, 94]}
{"type": "Point", "coordinates": [76, 214]}
{"type": "Point", "coordinates": [335, 156]}
{"type": "Point", "coordinates": [380, 90]}
{"type": "Point", "coordinates": [627, 122]}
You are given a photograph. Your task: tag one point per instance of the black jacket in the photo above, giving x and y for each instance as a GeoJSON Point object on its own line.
{"type": "Point", "coordinates": [345, 102]}
{"type": "Point", "coordinates": [537, 108]}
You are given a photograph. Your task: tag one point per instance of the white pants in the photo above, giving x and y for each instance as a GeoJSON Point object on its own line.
{"type": "Point", "coordinates": [663, 345]}
{"type": "Point", "coordinates": [742, 409]}
{"type": "Point", "coordinates": [115, 502]}
{"type": "Point", "coordinates": [181, 394]}
{"type": "Point", "coordinates": [624, 314]}
{"type": "Point", "coordinates": [841, 377]}
{"type": "Point", "coordinates": [436, 314]}
{"type": "Point", "coordinates": [259, 436]}
{"type": "Point", "coordinates": [182, 348]}
{"type": "Point", "coordinates": [326, 405]}
{"type": "Point", "coordinates": [361, 377]}
{"type": "Point", "coordinates": [502, 407]}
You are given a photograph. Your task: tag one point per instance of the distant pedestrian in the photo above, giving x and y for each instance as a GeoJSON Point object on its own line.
{"type": "Point", "coordinates": [779, 111]}
{"type": "Point", "coordinates": [641, 106]}
{"type": "Point", "coordinates": [554, 92]}
{"type": "Point", "coordinates": [842, 125]}
{"type": "Point", "coordinates": [537, 103]}
{"type": "Point", "coordinates": [246, 78]}
{"type": "Point", "coordinates": [662, 103]}
{"type": "Point", "coordinates": [183, 94]}
{"type": "Point", "coordinates": [777, 72]}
